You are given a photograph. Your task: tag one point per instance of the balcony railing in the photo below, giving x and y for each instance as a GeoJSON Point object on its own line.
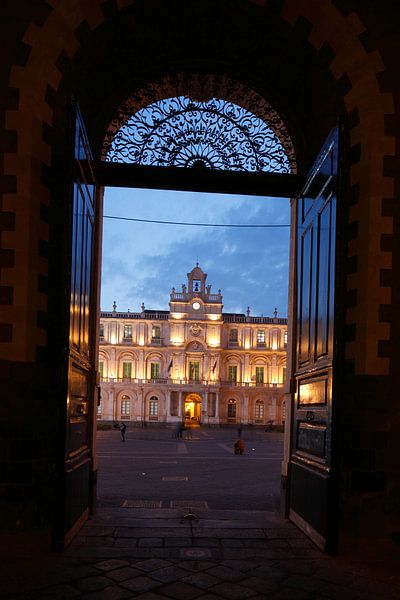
{"type": "Point", "coordinates": [193, 382]}
{"type": "Point", "coordinates": [186, 296]}
{"type": "Point", "coordinates": [156, 341]}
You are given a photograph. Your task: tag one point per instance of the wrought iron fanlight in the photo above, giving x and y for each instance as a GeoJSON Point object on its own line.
{"type": "Point", "coordinates": [211, 133]}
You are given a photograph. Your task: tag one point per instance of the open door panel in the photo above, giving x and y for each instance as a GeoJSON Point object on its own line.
{"type": "Point", "coordinates": [312, 495]}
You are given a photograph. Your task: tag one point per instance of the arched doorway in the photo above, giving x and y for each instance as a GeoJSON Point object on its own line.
{"type": "Point", "coordinates": [323, 80]}
{"type": "Point", "coordinates": [212, 135]}
{"type": "Point", "coordinates": [192, 409]}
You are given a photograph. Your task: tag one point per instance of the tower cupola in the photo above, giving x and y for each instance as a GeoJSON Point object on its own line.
{"type": "Point", "coordinates": [197, 282]}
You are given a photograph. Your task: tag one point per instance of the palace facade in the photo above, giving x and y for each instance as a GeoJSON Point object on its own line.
{"type": "Point", "coordinates": [193, 362]}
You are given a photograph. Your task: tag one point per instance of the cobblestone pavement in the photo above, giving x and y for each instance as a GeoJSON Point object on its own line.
{"type": "Point", "coordinates": [186, 553]}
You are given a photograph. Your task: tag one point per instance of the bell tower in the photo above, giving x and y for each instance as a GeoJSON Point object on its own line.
{"type": "Point", "coordinates": [197, 282]}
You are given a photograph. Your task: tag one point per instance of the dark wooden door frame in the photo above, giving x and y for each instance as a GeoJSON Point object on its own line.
{"type": "Point", "coordinates": [279, 185]}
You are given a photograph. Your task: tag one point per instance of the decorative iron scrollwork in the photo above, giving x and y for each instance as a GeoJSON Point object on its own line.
{"type": "Point", "coordinates": [201, 133]}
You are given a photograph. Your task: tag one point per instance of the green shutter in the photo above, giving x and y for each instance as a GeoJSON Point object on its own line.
{"type": "Point", "coordinates": [126, 370]}
{"type": "Point", "coordinates": [233, 373]}
{"type": "Point", "coordinates": [155, 370]}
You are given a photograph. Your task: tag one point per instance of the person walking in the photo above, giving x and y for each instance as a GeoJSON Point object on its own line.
{"type": "Point", "coordinates": [240, 431]}
{"type": "Point", "coordinates": [181, 429]}
{"type": "Point", "coordinates": [122, 428]}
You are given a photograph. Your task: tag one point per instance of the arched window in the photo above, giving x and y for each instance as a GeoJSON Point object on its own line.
{"type": "Point", "coordinates": [125, 406]}
{"type": "Point", "coordinates": [153, 408]}
{"type": "Point", "coordinates": [231, 410]}
{"type": "Point", "coordinates": [213, 132]}
{"type": "Point", "coordinates": [259, 411]}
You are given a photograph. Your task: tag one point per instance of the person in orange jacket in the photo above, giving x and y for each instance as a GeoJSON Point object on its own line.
{"type": "Point", "coordinates": [239, 446]}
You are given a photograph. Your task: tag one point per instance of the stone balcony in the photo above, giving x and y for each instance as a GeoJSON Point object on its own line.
{"type": "Point", "coordinates": [191, 382]}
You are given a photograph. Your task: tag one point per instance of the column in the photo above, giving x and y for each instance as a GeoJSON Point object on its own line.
{"type": "Point", "coordinates": [217, 406]}
{"type": "Point", "coordinates": [168, 405]}
{"type": "Point", "coordinates": [272, 414]}
{"type": "Point", "coordinates": [246, 375]}
{"type": "Point", "coordinates": [141, 374]}
{"type": "Point", "coordinates": [180, 405]}
{"type": "Point", "coordinates": [244, 417]}
{"type": "Point", "coordinates": [204, 411]}
{"type": "Point", "coordinates": [141, 404]}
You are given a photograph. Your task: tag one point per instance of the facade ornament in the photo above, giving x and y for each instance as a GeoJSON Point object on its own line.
{"type": "Point", "coordinates": [114, 306]}
{"type": "Point", "coordinates": [208, 289]}
{"type": "Point", "coordinates": [142, 307]}
{"type": "Point", "coordinates": [195, 329]}
{"type": "Point", "coordinates": [183, 288]}
{"type": "Point", "coordinates": [248, 311]}
{"type": "Point", "coordinates": [275, 313]}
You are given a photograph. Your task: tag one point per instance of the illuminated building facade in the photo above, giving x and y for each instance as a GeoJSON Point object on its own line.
{"type": "Point", "coordinates": [193, 362]}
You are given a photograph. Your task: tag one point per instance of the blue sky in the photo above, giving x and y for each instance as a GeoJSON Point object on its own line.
{"type": "Point", "coordinates": [143, 261]}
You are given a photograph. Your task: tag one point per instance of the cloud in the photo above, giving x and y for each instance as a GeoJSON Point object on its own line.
{"type": "Point", "coordinates": [141, 262]}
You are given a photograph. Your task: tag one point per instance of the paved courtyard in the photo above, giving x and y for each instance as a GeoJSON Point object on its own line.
{"type": "Point", "coordinates": [187, 519]}
{"type": "Point", "coordinates": [154, 466]}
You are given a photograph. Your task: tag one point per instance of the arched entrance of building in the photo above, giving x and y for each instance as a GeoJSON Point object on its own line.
{"type": "Point", "coordinates": [331, 68]}
{"type": "Point", "coordinates": [192, 408]}
{"type": "Point", "coordinates": [263, 148]}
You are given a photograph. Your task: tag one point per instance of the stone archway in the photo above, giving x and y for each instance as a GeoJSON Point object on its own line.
{"type": "Point", "coordinates": [192, 408]}
{"type": "Point", "coordinates": [335, 62]}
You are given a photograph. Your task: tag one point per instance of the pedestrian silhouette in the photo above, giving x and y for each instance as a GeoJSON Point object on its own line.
{"type": "Point", "coordinates": [122, 428]}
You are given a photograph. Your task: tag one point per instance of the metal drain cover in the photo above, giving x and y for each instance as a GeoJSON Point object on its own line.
{"type": "Point", "coordinates": [193, 504]}
{"type": "Point", "coordinates": [176, 478]}
{"type": "Point", "coordinates": [195, 553]}
{"type": "Point", "coordinates": [142, 504]}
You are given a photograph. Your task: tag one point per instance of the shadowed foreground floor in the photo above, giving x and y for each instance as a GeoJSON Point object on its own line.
{"type": "Point", "coordinates": [159, 554]}
{"type": "Point", "coordinates": [143, 543]}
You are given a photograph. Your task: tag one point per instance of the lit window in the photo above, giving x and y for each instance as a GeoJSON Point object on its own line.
{"type": "Point", "coordinates": [233, 373]}
{"type": "Point", "coordinates": [194, 371]}
{"type": "Point", "coordinates": [99, 408]}
{"type": "Point", "coordinates": [155, 332]}
{"type": "Point", "coordinates": [259, 412]}
{"type": "Point", "coordinates": [101, 368]}
{"type": "Point", "coordinates": [261, 336]}
{"type": "Point", "coordinates": [231, 409]}
{"type": "Point", "coordinates": [233, 335]}
{"type": "Point", "coordinates": [153, 408]}
{"type": "Point", "coordinates": [259, 374]}
{"type": "Point", "coordinates": [101, 330]}
{"type": "Point", "coordinates": [285, 338]}
{"type": "Point", "coordinates": [284, 374]}
{"type": "Point", "coordinates": [127, 332]}
{"type": "Point", "coordinates": [126, 370]}
{"type": "Point", "coordinates": [125, 406]}
{"type": "Point", "coordinates": [155, 370]}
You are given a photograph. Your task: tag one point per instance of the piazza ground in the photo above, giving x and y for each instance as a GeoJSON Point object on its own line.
{"type": "Point", "coordinates": [142, 543]}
